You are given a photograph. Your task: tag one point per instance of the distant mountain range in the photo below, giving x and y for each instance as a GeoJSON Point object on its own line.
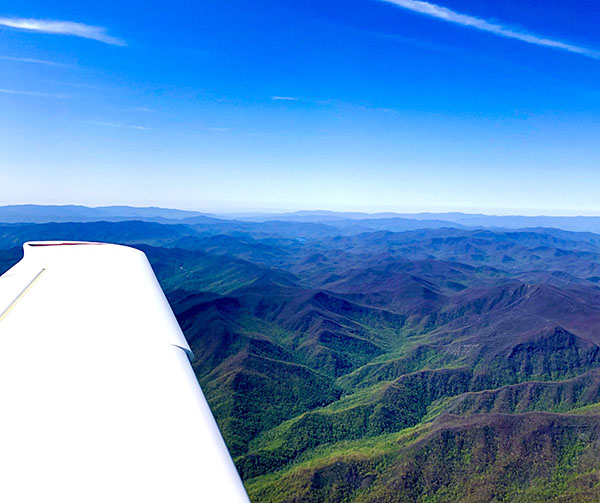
{"type": "Point", "coordinates": [32, 213]}
{"type": "Point", "coordinates": [330, 222]}
{"type": "Point", "coordinates": [352, 364]}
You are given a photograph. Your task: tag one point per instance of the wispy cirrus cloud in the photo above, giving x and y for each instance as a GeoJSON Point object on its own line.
{"type": "Point", "coordinates": [30, 60]}
{"type": "Point", "coordinates": [62, 28]}
{"type": "Point", "coordinates": [33, 93]}
{"type": "Point", "coordinates": [451, 16]}
{"type": "Point", "coordinates": [284, 98]}
{"type": "Point", "coordinates": [119, 125]}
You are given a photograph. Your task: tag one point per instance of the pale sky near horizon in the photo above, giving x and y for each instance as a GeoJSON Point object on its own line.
{"type": "Point", "coordinates": [275, 105]}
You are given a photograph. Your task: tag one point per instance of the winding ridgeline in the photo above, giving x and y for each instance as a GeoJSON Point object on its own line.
{"type": "Point", "coordinates": [346, 363]}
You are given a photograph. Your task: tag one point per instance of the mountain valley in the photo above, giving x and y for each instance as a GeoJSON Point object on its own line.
{"type": "Point", "coordinates": [429, 365]}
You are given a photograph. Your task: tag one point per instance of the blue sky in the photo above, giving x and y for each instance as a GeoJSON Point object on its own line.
{"type": "Point", "coordinates": [395, 105]}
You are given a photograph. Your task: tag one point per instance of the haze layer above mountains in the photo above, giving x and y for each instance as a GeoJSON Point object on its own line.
{"type": "Point", "coordinates": [380, 359]}
{"type": "Point", "coordinates": [345, 222]}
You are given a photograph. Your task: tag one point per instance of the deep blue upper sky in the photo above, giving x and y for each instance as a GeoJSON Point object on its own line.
{"type": "Point", "coordinates": [390, 105]}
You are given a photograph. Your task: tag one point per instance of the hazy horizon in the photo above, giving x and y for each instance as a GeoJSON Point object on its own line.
{"type": "Point", "coordinates": [276, 211]}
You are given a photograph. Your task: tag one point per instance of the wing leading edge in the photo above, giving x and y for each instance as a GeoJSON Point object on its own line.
{"type": "Point", "coordinates": [99, 400]}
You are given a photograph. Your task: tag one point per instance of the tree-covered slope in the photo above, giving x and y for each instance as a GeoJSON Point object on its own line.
{"type": "Point", "coordinates": [524, 458]}
{"type": "Point", "coordinates": [433, 365]}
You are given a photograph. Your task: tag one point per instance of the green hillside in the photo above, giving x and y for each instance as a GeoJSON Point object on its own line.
{"type": "Point", "coordinates": [431, 366]}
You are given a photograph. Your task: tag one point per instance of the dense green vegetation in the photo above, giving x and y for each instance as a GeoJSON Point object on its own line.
{"type": "Point", "coordinates": [431, 366]}
{"type": "Point", "coordinates": [518, 458]}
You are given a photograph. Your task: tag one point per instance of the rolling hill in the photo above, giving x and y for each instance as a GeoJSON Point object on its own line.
{"type": "Point", "coordinates": [429, 365]}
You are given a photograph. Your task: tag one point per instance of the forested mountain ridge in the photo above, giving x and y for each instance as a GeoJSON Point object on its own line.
{"type": "Point", "coordinates": [430, 365]}
{"type": "Point", "coordinates": [343, 222]}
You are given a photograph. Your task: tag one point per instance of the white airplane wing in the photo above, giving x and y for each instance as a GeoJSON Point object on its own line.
{"type": "Point", "coordinates": [98, 400]}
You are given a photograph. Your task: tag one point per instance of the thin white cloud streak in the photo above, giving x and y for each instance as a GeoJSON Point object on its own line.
{"type": "Point", "coordinates": [451, 16]}
{"type": "Point", "coordinates": [62, 28]}
{"type": "Point", "coordinates": [117, 125]}
{"type": "Point", "coordinates": [32, 93]}
{"type": "Point", "coordinates": [79, 85]}
{"type": "Point", "coordinates": [30, 60]}
{"type": "Point", "coordinates": [284, 98]}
